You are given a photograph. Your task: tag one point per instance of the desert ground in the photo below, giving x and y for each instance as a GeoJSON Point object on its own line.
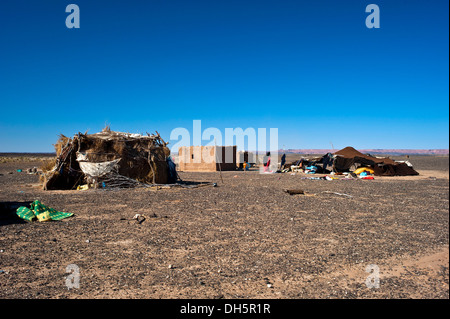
{"type": "Point", "coordinates": [245, 238]}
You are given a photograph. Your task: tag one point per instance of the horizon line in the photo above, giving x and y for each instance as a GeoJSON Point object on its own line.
{"type": "Point", "coordinates": [441, 151]}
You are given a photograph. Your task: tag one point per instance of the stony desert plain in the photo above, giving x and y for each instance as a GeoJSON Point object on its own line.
{"type": "Point", "coordinates": [245, 238]}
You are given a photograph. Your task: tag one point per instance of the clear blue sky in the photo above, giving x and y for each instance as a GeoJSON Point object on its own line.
{"type": "Point", "coordinates": [312, 69]}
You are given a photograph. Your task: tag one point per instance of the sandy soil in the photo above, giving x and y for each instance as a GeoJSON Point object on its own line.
{"type": "Point", "coordinates": [245, 238]}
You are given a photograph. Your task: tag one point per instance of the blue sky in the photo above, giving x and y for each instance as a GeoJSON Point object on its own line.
{"type": "Point", "coordinates": [311, 69]}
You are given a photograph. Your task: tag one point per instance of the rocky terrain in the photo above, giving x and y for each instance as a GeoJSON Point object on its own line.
{"type": "Point", "coordinates": [245, 238]}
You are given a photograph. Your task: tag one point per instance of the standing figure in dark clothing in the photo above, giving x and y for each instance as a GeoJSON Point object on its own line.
{"type": "Point", "coordinates": [283, 161]}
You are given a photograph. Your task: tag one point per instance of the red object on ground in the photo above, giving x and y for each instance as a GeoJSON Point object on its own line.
{"type": "Point", "coordinates": [266, 168]}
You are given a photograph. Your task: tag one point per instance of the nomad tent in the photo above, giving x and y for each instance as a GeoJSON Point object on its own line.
{"type": "Point", "coordinates": [110, 159]}
{"type": "Point", "coordinates": [349, 160]}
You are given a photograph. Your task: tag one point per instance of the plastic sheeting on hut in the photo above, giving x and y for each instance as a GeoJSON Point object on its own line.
{"type": "Point", "coordinates": [110, 159]}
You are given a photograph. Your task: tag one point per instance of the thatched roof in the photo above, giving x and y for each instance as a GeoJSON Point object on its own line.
{"type": "Point", "coordinates": [108, 156]}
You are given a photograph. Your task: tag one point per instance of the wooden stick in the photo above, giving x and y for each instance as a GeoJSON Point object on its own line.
{"type": "Point", "coordinates": [295, 191]}
{"type": "Point", "coordinates": [220, 169]}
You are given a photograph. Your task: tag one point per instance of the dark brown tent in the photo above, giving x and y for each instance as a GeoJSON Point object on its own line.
{"type": "Point", "coordinates": [349, 159]}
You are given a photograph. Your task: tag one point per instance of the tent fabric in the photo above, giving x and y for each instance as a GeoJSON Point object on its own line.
{"type": "Point", "coordinates": [350, 152]}
{"type": "Point", "coordinates": [400, 169]}
{"type": "Point", "coordinates": [348, 158]}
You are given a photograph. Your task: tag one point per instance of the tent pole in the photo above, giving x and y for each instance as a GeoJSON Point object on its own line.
{"type": "Point", "coordinates": [220, 169]}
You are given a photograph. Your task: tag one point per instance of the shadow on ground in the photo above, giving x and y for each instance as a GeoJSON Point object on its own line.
{"type": "Point", "coordinates": [8, 212]}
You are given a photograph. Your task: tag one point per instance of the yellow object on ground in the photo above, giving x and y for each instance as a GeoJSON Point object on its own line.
{"type": "Point", "coordinates": [82, 187]}
{"type": "Point", "coordinates": [42, 212]}
{"type": "Point", "coordinates": [44, 216]}
{"type": "Point", "coordinates": [363, 169]}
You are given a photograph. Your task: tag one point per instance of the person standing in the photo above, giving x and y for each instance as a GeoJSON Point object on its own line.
{"type": "Point", "coordinates": [283, 161]}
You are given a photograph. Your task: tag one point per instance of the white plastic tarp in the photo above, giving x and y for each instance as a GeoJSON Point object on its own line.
{"type": "Point", "coordinates": [96, 169]}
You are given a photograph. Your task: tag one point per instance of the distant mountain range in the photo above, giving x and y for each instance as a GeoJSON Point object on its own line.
{"type": "Point", "coordinates": [303, 151]}
{"type": "Point", "coordinates": [373, 151]}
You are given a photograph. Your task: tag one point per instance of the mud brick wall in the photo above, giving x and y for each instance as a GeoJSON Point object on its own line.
{"type": "Point", "coordinates": [207, 158]}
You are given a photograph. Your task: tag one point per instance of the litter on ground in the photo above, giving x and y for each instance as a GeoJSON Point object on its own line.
{"type": "Point", "coordinates": [294, 191]}
{"type": "Point", "coordinates": [41, 212]}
